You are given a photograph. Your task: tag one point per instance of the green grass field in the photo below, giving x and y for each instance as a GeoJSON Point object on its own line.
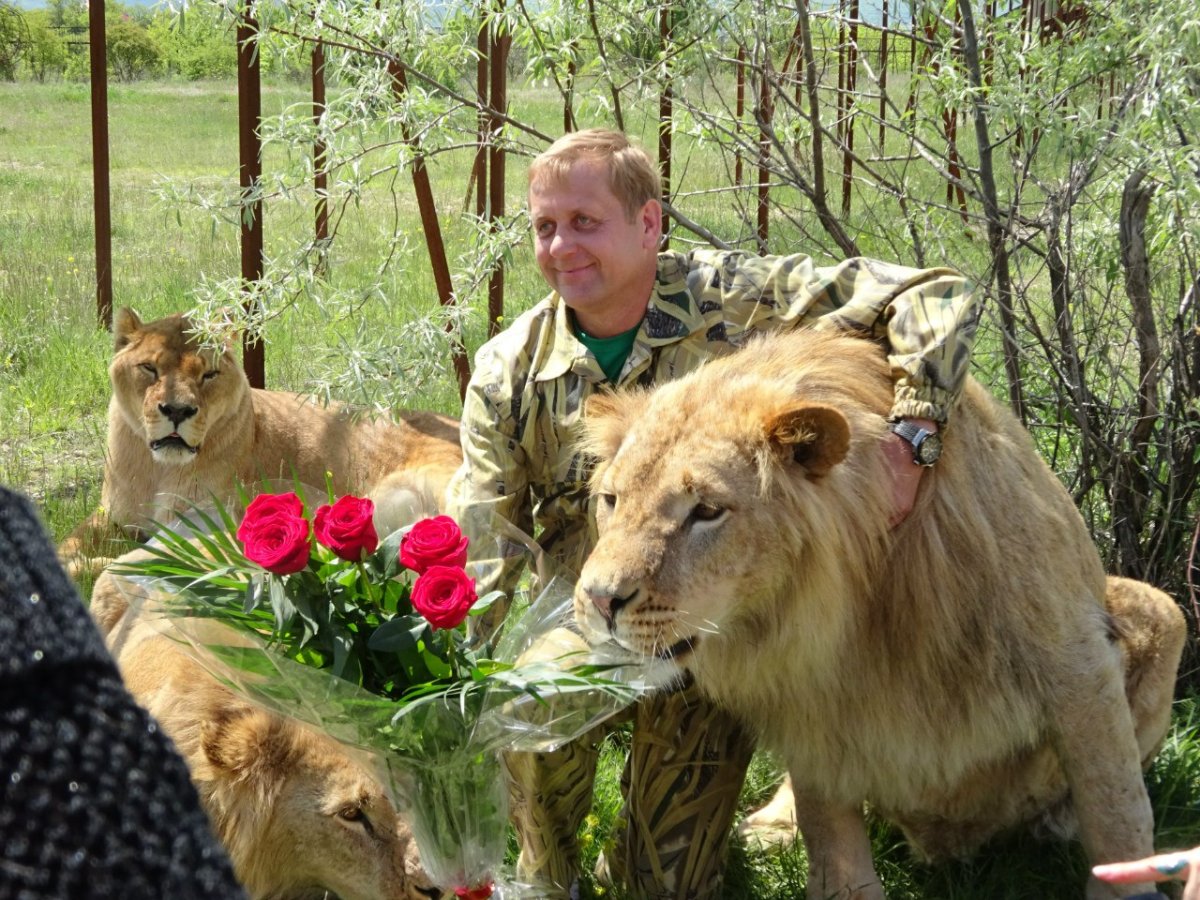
{"type": "Point", "coordinates": [54, 388]}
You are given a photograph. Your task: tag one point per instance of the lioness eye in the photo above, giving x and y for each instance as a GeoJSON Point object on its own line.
{"type": "Point", "coordinates": [148, 369]}
{"type": "Point", "coordinates": [355, 814]}
{"type": "Point", "coordinates": [706, 512]}
{"type": "Point", "coordinates": [609, 500]}
{"type": "Point", "coordinates": [209, 376]}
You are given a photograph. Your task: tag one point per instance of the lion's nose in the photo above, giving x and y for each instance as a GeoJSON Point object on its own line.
{"type": "Point", "coordinates": [609, 605]}
{"type": "Point", "coordinates": [176, 412]}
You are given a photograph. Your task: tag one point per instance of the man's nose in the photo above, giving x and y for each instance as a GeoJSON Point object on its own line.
{"type": "Point", "coordinates": [561, 244]}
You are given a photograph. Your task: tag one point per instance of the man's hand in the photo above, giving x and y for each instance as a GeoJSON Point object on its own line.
{"type": "Point", "coordinates": [906, 474]}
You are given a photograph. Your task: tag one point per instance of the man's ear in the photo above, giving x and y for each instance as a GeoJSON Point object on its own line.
{"type": "Point", "coordinates": [650, 218]}
{"type": "Point", "coordinates": [125, 325]}
{"type": "Point", "coordinates": [817, 437]}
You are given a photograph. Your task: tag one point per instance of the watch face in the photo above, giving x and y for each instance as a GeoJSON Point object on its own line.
{"type": "Point", "coordinates": [928, 451]}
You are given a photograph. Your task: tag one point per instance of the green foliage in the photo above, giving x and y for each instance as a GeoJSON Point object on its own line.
{"type": "Point", "coordinates": [132, 51]}
{"type": "Point", "coordinates": [46, 55]}
{"type": "Point", "coordinates": [198, 41]}
{"type": "Point", "coordinates": [14, 39]}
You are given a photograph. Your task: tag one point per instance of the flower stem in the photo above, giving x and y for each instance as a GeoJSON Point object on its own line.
{"type": "Point", "coordinates": [451, 655]}
{"type": "Point", "coordinates": [368, 588]}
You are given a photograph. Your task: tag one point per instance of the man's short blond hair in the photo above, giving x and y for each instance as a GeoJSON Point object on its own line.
{"type": "Point", "coordinates": [632, 176]}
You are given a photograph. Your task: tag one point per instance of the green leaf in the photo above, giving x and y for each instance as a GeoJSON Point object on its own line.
{"type": "Point", "coordinates": [253, 596]}
{"type": "Point", "coordinates": [387, 555]}
{"type": "Point", "coordinates": [281, 603]}
{"type": "Point", "coordinates": [484, 603]}
{"type": "Point", "coordinates": [395, 636]}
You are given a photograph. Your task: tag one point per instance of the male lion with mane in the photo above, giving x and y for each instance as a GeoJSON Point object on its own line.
{"type": "Point", "coordinates": [184, 425]}
{"type": "Point", "coordinates": [962, 673]}
{"type": "Point", "coordinates": [300, 817]}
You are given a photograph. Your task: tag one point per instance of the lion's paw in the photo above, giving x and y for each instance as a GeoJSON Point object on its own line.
{"type": "Point", "coordinates": [772, 828]}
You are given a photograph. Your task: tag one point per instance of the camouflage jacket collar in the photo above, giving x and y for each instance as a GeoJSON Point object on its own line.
{"type": "Point", "coordinates": [671, 315]}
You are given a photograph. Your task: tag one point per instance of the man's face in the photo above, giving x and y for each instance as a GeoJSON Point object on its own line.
{"type": "Point", "coordinates": [600, 262]}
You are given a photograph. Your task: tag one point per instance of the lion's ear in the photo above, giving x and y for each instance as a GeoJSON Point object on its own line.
{"type": "Point", "coordinates": [606, 418]}
{"type": "Point", "coordinates": [816, 437]}
{"type": "Point", "coordinates": [241, 740]}
{"type": "Point", "coordinates": [124, 326]}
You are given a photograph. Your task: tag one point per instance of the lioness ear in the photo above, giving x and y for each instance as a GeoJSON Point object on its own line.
{"type": "Point", "coordinates": [125, 324]}
{"type": "Point", "coordinates": [817, 437]}
{"type": "Point", "coordinates": [242, 741]}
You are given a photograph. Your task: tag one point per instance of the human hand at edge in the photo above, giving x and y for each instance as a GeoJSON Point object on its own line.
{"type": "Point", "coordinates": [906, 474]}
{"type": "Point", "coordinates": [1184, 864]}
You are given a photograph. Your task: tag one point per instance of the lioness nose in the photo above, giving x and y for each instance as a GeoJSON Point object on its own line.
{"type": "Point", "coordinates": [176, 412]}
{"type": "Point", "coordinates": [608, 606]}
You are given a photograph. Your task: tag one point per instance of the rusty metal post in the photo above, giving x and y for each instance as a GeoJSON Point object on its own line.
{"type": "Point", "coordinates": [320, 160]}
{"type": "Point", "coordinates": [250, 168]}
{"type": "Point", "coordinates": [482, 67]}
{"type": "Point", "coordinates": [497, 106]}
{"type": "Point", "coordinates": [840, 120]}
{"type": "Point", "coordinates": [851, 87]}
{"type": "Point", "coordinates": [764, 115]}
{"type": "Point", "coordinates": [101, 208]}
{"type": "Point", "coordinates": [665, 114]}
{"type": "Point", "coordinates": [883, 74]}
{"type": "Point", "coordinates": [432, 229]}
{"type": "Point", "coordinates": [741, 111]}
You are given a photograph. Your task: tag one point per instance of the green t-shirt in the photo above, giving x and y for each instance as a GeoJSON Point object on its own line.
{"type": "Point", "coordinates": [610, 352]}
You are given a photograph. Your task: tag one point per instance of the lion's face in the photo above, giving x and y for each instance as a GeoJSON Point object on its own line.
{"type": "Point", "coordinates": [346, 836]}
{"type": "Point", "coordinates": [168, 389]}
{"type": "Point", "coordinates": [312, 819]}
{"type": "Point", "coordinates": [687, 532]}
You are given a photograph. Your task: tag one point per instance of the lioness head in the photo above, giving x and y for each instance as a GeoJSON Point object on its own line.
{"type": "Point", "coordinates": [712, 492]}
{"type": "Point", "coordinates": [170, 390]}
{"type": "Point", "coordinates": [300, 817]}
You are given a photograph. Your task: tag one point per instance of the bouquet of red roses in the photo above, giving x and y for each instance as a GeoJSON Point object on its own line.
{"type": "Point", "coordinates": [379, 613]}
{"type": "Point", "coordinates": [386, 616]}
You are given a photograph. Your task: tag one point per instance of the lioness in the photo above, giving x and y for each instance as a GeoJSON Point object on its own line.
{"type": "Point", "coordinates": [960, 673]}
{"type": "Point", "coordinates": [298, 815]}
{"type": "Point", "coordinates": [185, 425]}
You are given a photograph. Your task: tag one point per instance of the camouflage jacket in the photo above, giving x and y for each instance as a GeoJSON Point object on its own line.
{"type": "Point", "coordinates": [530, 382]}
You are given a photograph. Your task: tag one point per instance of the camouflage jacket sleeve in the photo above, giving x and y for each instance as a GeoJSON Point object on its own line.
{"type": "Point", "coordinates": [491, 487]}
{"type": "Point", "coordinates": [926, 318]}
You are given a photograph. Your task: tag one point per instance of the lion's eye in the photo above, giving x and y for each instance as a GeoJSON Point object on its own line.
{"type": "Point", "coordinates": [609, 500]}
{"type": "Point", "coordinates": [209, 376]}
{"type": "Point", "coordinates": [355, 814]}
{"type": "Point", "coordinates": [706, 512]}
{"type": "Point", "coordinates": [148, 369]}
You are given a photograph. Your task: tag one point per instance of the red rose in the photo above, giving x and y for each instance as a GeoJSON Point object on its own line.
{"type": "Point", "coordinates": [264, 506]}
{"type": "Point", "coordinates": [433, 542]}
{"type": "Point", "coordinates": [347, 528]}
{"type": "Point", "coordinates": [444, 595]}
{"type": "Point", "coordinates": [279, 543]}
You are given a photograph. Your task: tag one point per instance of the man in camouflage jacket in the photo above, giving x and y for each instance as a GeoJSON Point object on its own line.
{"type": "Point", "coordinates": [622, 313]}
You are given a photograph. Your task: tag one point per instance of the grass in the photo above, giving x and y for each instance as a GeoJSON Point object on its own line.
{"type": "Point", "coordinates": [54, 389]}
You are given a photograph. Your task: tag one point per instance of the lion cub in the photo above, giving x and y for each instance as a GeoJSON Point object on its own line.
{"type": "Point", "coordinates": [298, 814]}
{"type": "Point", "coordinates": [185, 425]}
{"type": "Point", "coordinates": [963, 673]}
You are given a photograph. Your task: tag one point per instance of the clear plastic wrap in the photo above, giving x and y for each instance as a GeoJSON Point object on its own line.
{"type": "Point", "coordinates": [441, 753]}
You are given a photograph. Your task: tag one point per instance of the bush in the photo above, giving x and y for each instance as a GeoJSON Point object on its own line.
{"type": "Point", "coordinates": [132, 51]}
{"type": "Point", "coordinates": [13, 39]}
{"type": "Point", "coordinates": [46, 53]}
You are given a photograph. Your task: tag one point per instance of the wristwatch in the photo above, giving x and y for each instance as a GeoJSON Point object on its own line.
{"type": "Point", "coordinates": [926, 445]}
